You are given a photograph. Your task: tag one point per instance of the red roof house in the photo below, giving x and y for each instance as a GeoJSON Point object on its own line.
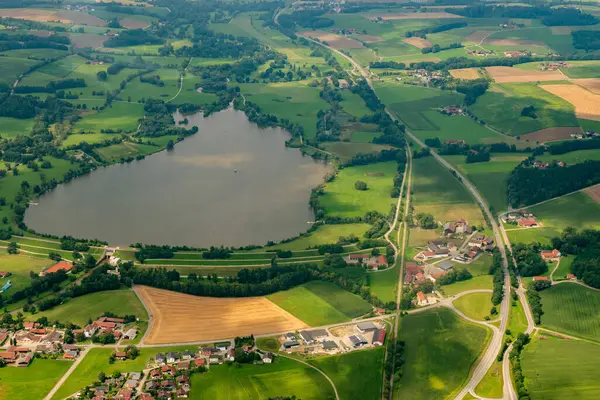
{"type": "Point", "coordinates": [549, 255]}
{"type": "Point", "coordinates": [59, 266]}
{"type": "Point", "coordinates": [571, 276]}
{"type": "Point", "coordinates": [199, 362]}
{"type": "Point", "coordinates": [540, 278]}
{"type": "Point", "coordinates": [527, 222]}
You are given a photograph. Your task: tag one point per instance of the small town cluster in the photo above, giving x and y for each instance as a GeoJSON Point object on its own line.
{"type": "Point", "coordinates": [335, 340]}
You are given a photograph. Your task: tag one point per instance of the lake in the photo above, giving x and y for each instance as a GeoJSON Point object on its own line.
{"type": "Point", "coordinates": [192, 194]}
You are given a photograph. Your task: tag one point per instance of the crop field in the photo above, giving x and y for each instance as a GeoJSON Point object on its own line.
{"type": "Point", "coordinates": [63, 67]}
{"type": "Point", "coordinates": [122, 116]}
{"type": "Point", "coordinates": [342, 199]}
{"type": "Point", "coordinates": [418, 42]}
{"type": "Point", "coordinates": [583, 69]}
{"type": "Point", "coordinates": [593, 192]}
{"type": "Point", "coordinates": [592, 84]}
{"type": "Point", "coordinates": [514, 75]}
{"type": "Point", "coordinates": [96, 361]}
{"type": "Point", "coordinates": [587, 104]}
{"type": "Point", "coordinates": [36, 380]}
{"type": "Point", "coordinates": [335, 41]}
{"type": "Point", "coordinates": [501, 107]}
{"type": "Point", "coordinates": [572, 309]}
{"type": "Point", "coordinates": [215, 318]}
{"type": "Point", "coordinates": [284, 377]}
{"type": "Point", "coordinates": [354, 105]}
{"type": "Point", "coordinates": [465, 73]}
{"type": "Point", "coordinates": [324, 234]}
{"type": "Point", "coordinates": [439, 363]}
{"type": "Point", "coordinates": [295, 101]}
{"type": "Point", "coordinates": [35, 54]}
{"type": "Point", "coordinates": [439, 193]}
{"type": "Point", "coordinates": [576, 210]}
{"type": "Point", "coordinates": [557, 369]}
{"type": "Point", "coordinates": [91, 306]}
{"type": "Point", "coordinates": [551, 134]}
{"type": "Point", "coordinates": [475, 305]}
{"type": "Point", "coordinates": [383, 284]}
{"type": "Point", "coordinates": [320, 303]}
{"type": "Point", "coordinates": [12, 68]}
{"type": "Point", "coordinates": [47, 15]}
{"type": "Point", "coordinates": [536, 39]}
{"type": "Point", "coordinates": [574, 157]}
{"type": "Point", "coordinates": [415, 15]}
{"type": "Point", "coordinates": [90, 138]}
{"type": "Point", "coordinates": [357, 375]}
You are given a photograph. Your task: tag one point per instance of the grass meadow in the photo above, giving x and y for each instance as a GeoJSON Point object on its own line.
{"type": "Point", "coordinates": [564, 268]}
{"type": "Point", "coordinates": [518, 321]}
{"type": "Point", "coordinates": [383, 284]}
{"type": "Point", "coordinates": [320, 303]}
{"type": "Point", "coordinates": [572, 309]}
{"type": "Point", "coordinates": [343, 200]}
{"type": "Point", "coordinates": [12, 127]}
{"type": "Point", "coordinates": [284, 377]}
{"type": "Point", "coordinates": [357, 375]}
{"type": "Point", "coordinates": [577, 210]}
{"type": "Point", "coordinates": [440, 350]}
{"type": "Point", "coordinates": [583, 69]}
{"type": "Point", "coordinates": [573, 157]}
{"type": "Point", "coordinates": [124, 116]}
{"type": "Point", "coordinates": [12, 68]}
{"type": "Point", "coordinates": [475, 305]}
{"type": "Point", "coordinates": [36, 380]}
{"type": "Point", "coordinates": [354, 105]}
{"type": "Point", "coordinates": [491, 384]}
{"type": "Point", "coordinates": [478, 282]}
{"type": "Point", "coordinates": [557, 369]}
{"type": "Point", "coordinates": [324, 234]}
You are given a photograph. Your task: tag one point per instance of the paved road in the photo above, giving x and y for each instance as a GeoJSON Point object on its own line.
{"type": "Point", "coordinates": [66, 375]}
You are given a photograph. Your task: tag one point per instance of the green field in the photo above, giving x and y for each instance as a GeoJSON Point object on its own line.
{"type": "Point", "coordinates": [572, 309]}
{"type": "Point", "coordinates": [491, 384]}
{"type": "Point", "coordinates": [561, 369]}
{"type": "Point", "coordinates": [36, 380]}
{"type": "Point", "coordinates": [357, 375]}
{"type": "Point", "coordinates": [573, 157]}
{"type": "Point", "coordinates": [284, 377]}
{"type": "Point", "coordinates": [439, 193]}
{"type": "Point", "coordinates": [122, 116]}
{"type": "Point", "coordinates": [478, 282]}
{"type": "Point", "coordinates": [440, 351]}
{"type": "Point", "coordinates": [518, 321]}
{"type": "Point", "coordinates": [475, 305]}
{"type": "Point", "coordinates": [20, 265]}
{"type": "Point", "coordinates": [564, 268]}
{"type": "Point", "coordinates": [583, 69]}
{"type": "Point", "coordinates": [324, 234]}
{"type": "Point", "coordinates": [11, 127]}
{"type": "Point", "coordinates": [115, 152]}
{"type": "Point", "coordinates": [320, 303]}
{"type": "Point", "coordinates": [541, 235]}
{"type": "Point", "coordinates": [383, 284]}
{"type": "Point", "coordinates": [12, 68]}
{"type": "Point", "coordinates": [354, 105]}
{"type": "Point", "coordinates": [343, 200]}
{"type": "Point", "coordinates": [577, 210]}
{"type": "Point", "coordinates": [346, 151]}
{"type": "Point", "coordinates": [91, 306]}
{"type": "Point", "coordinates": [501, 107]}
{"type": "Point", "coordinates": [90, 138]}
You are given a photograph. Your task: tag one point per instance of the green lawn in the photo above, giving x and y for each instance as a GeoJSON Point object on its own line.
{"type": "Point", "coordinates": [574, 157]}
{"type": "Point", "coordinates": [343, 200]}
{"type": "Point", "coordinates": [283, 378]}
{"type": "Point", "coordinates": [36, 380]}
{"type": "Point", "coordinates": [91, 306]}
{"type": "Point", "coordinates": [96, 361]}
{"type": "Point", "coordinates": [324, 234]}
{"type": "Point", "coordinates": [354, 105]}
{"type": "Point", "coordinates": [11, 127]}
{"type": "Point", "coordinates": [440, 351]}
{"type": "Point", "coordinates": [320, 303]}
{"type": "Point", "coordinates": [478, 282]}
{"type": "Point", "coordinates": [556, 369]}
{"type": "Point", "coordinates": [91, 138]}
{"type": "Point", "coordinates": [356, 375]}
{"type": "Point", "coordinates": [475, 305]}
{"type": "Point", "coordinates": [542, 235]}
{"type": "Point", "coordinates": [122, 116]}
{"type": "Point", "coordinates": [572, 309]}
{"type": "Point", "coordinates": [491, 384]}
{"type": "Point", "coordinates": [383, 284]}
{"type": "Point", "coordinates": [518, 321]}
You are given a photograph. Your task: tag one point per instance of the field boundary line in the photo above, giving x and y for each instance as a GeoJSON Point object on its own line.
{"type": "Point", "coordinates": [150, 316]}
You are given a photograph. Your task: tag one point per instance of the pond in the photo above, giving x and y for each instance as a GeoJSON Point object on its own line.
{"type": "Point", "coordinates": [232, 183]}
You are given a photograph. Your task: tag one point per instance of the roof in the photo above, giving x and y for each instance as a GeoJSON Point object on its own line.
{"type": "Point", "coordinates": [527, 222]}
{"type": "Point", "coordinates": [445, 265]}
{"type": "Point", "coordinates": [120, 354]}
{"type": "Point", "coordinates": [318, 332]}
{"type": "Point", "coordinates": [357, 340]}
{"type": "Point", "coordinates": [306, 336]}
{"type": "Point", "coordinates": [379, 336]}
{"type": "Point", "coordinates": [421, 296]}
{"type": "Point", "coordinates": [382, 260]}
{"type": "Point", "coordinates": [329, 345]}
{"type": "Point", "coordinates": [8, 355]}
{"type": "Point", "coordinates": [61, 265]}
{"type": "Point", "coordinates": [540, 278]}
{"type": "Point", "coordinates": [366, 326]}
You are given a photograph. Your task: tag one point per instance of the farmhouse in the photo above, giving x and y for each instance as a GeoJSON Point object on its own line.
{"type": "Point", "coordinates": [59, 266]}
{"type": "Point", "coordinates": [481, 242]}
{"type": "Point", "coordinates": [550, 255]}
{"type": "Point", "coordinates": [367, 260]}
{"type": "Point", "coordinates": [411, 272]}
{"type": "Point", "coordinates": [514, 54]}
{"type": "Point", "coordinates": [343, 83]}
{"type": "Point", "coordinates": [459, 226]}
{"type": "Point", "coordinates": [378, 337]}
{"type": "Point", "coordinates": [421, 299]}
{"type": "Point", "coordinates": [445, 265]}
{"type": "Point", "coordinates": [330, 345]}
{"type": "Point", "coordinates": [541, 278]}
{"type": "Point", "coordinates": [527, 222]}
{"type": "Point", "coordinates": [4, 274]}
{"type": "Point", "coordinates": [290, 344]}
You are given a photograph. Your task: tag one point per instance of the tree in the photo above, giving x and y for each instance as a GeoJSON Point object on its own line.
{"type": "Point", "coordinates": [90, 261]}
{"type": "Point", "coordinates": [360, 185]}
{"type": "Point", "coordinates": [102, 76]}
{"type": "Point", "coordinates": [54, 256]}
{"type": "Point", "coordinates": [426, 221]}
{"type": "Point", "coordinates": [101, 377]}
{"type": "Point", "coordinates": [12, 248]}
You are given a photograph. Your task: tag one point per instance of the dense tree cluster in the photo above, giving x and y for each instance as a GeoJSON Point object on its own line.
{"type": "Point", "coordinates": [387, 65]}
{"type": "Point", "coordinates": [472, 89]}
{"type": "Point", "coordinates": [585, 245]}
{"type": "Point", "coordinates": [498, 277]}
{"type": "Point", "coordinates": [529, 260]}
{"type": "Point", "coordinates": [573, 145]}
{"type": "Point", "coordinates": [133, 37]}
{"type": "Point", "coordinates": [422, 33]}
{"type": "Point", "coordinates": [456, 275]}
{"type": "Point", "coordinates": [586, 40]}
{"type": "Point", "coordinates": [549, 16]}
{"type": "Point", "coordinates": [517, 372]}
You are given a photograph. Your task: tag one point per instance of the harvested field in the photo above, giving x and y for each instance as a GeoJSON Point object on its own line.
{"type": "Point", "coordinates": [513, 42]}
{"type": "Point", "coordinates": [465, 73]}
{"type": "Point", "coordinates": [417, 42]}
{"type": "Point", "coordinates": [42, 15]}
{"type": "Point", "coordinates": [429, 15]}
{"type": "Point", "coordinates": [478, 36]}
{"type": "Point", "coordinates": [594, 193]}
{"type": "Point", "coordinates": [370, 38]}
{"type": "Point", "coordinates": [591, 84]}
{"type": "Point", "coordinates": [178, 317]}
{"type": "Point", "coordinates": [510, 74]}
{"type": "Point", "coordinates": [82, 40]}
{"type": "Point", "coordinates": [551, 134]}
{"type": "Point", "coordinates": [587, 104]}
{"type": "Point", "coordinates": [130, 23]}
{"type": "Point", "coordinates": [335, 41]}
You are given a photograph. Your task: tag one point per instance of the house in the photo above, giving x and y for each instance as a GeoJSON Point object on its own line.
{"type": "Point", "coordinates": [155, 374]}
{"type": "Point", "coordinates": [290, 336]}
{"type": "Point", "coordinates": [163, 394]}
{"type": "Point", "coordinates": [160, 359]}
{"type": "Point", "coordinates": [135, 375]}
{"type": "Point", "coordinates": [181, 394]}
{"type": "Point", "coordinates": [104, 325]}
{"type": "Point", "coordinates": [367, 260]}
{"type": "Point", "coordinates": [445, 266]}
{"type": "Point", "coordinates": [130, 334]}
{"type": "Point", "coordinates": [571, 276]}
{"type": "Point", "coordinates": [8, 357]}
{"type": "Point", "coordinates": [168, 369]}
{"type": "Point", "coordinates": [145, 396]}
{"type": "Point", "coordinates": [152, 385]}
{"type": "Point", "coordinates": [183, 365]}
{"type": "Point", "coordinates": [527, 222]}
{"type": "Point", "coordinates": [90, 330]}
{"type": "Point", "coordinates": [28, 325]}
{"type": "Point", "coordinates": [411, 269]}
{"type": "Point", "coordinates": [378, 337]}
{"type": "Point", "coordinates": [290, 344]}
{"type": "Point", "coordinates": [434, 277]}
{"type": "Point", "coordinates": [343, 84]}
{"type": "Point", "coordinates": [550, 255]}
{"type": "Point", "coordinates": [267, 358]}
{"type": "Point", "coordinates": [125, 394]}
{"type": "Point", "coordinates": [70, 355]}
{"type": "Point", "coordinates": [172, 357]}
{"type": "Point", "coordinates": [187, 355]}
{"type": "Point", "coordinates": [541, 278]}
{"type": "Point", "coordinates": [481, 242]}
{"type": "Point", "coordinates": [24, 361]}
{"type": "Point", "coordinates": [167, 385]}
{"type": "Point", "coordinates": [460, 226]}
{"type": "Point", "coordinates": [59, 266]}
{"type": "Point", "coordinates": [120, 355]}
{"type": "Point", "coordinates": [357, 341]}
{"type": "Point", "coordinates": [456, 142]}
{"type": "Point", "coordinates": [131, 383]}
{"type": "Point", "coordinates": [439, 248]}
{"type": "Point", "coordinates": [307, 337]}
{"type": "Point", "coordinates": [207, 351]}
{"type": "Point", "coordinates": [215, 359]}
{"type": "Point", "coordinates": [183, 379]}
{"type": "Point", "coordinates": [330, 345]}
{"type": "Point", "coordinates": [421, 299]}
{"type": "Point", "coordinates": [366, 327]}
{"type": "Point", "coordinates": [4, 274]}
{"type": "Point", "coordinates": [199, 362]}
{"type": "Point", "coordinates": [38, 331]}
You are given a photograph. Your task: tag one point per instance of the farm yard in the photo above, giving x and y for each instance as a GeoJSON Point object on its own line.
{"type": "Point", "coordinates": [215, 318]}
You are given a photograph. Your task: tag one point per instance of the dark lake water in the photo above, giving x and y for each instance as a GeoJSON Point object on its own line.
{"type": "Point", "coordinates": [191, 195]}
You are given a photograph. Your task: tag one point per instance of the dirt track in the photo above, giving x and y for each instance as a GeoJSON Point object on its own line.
{"type": "Point", "coordinates": [179, 318]}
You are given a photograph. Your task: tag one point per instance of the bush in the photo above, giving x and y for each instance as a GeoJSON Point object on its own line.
{"type": "Point", "coordinates": [360, 185]}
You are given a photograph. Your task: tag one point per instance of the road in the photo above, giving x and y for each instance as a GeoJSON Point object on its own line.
{"type": "Point", "coordinates": [496, 343]}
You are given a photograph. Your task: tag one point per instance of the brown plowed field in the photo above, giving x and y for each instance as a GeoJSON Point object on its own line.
{"type": "Point", "coordinates": [512, 42]}
{"type": "Point", "coordinates": [510, 74]}
{"type": "Point", "coordinates": [429, 15]}
{"type": "Point", "coordinates": [591, 84]}
{"type": "Point", "coordinates": [465, 73]}
{"type": "Point", "coordinates": [551, 134]}
{"type": "Point", "coordinates": [131, 23]}
{"type": "Point", "coordinates": [40, 15]}
{"type": "Point", "coordinates": [81, 40]}
{"type": "Point", "coordinates": [587, 104]}
{"type": "Point", "coordinates": [477, 36]}
{"type": "Point", "coordinates": [335, 41]}
{"type": "Point", "coordinates": [417, 42]}
{"type": "Point", "coordinates": [179, 318]}
{"type": "Point", "coordinates": [594, 193]}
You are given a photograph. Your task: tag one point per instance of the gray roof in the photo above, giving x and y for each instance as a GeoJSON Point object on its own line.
{"type": "Point", "coordinates": [306, 336]}
{"type": "Point", "coordinates": [329, 345]}
{"type": "Point", "coordinates": [291, 343]}
{"type": "Point", "coordinates": [357, 340]}
{"type": "Point", "coordinates": [160, 356]}
{"type": "Point", "coordinates": [445, 265]}
{"type": "Point", "coordinates": [366, 326]}
{"type": "Point", "coordinates": [319, 333]}
{"type": "Point", "coordinates": [135, 375]}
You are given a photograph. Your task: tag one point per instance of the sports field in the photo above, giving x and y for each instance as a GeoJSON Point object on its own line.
{"type": "Point", "coordinates": [343, 200]}
{"type": "Point", "coordinates": [35, 381]}
{"type": "Point", "coordinates": [572, 309]}
{"type": "Point", "coordinates": [215, 318]}
{"type": "Point", "coordinates": [91, 306]}
{"type": "Point", "coordinates": [320, 303]}
{"type": "Point", "coordinates": [475, 305]}
{"type": "Point", "coordinates": [557, 369]}
{"type": "Point", "coordinates": [356, 375]}
{"type": "Point", "coordinates": [284, 377]}
{"type": "Point", "coordinates": [440, 351]}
